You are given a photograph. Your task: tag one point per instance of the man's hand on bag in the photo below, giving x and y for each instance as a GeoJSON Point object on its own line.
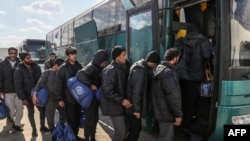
{"type": "Point", "coordinates": [61, 103]}
{"type": "Point", "coordinates": [93, 87]}
{"type": "Point", "coordinates": [177, 121]}
{"type": "Point", "coordinates": [126, 103]}
{"type": "Point", "coordinates": [1, 95]}
{"type": "Point", "coordinates": [34, 98]}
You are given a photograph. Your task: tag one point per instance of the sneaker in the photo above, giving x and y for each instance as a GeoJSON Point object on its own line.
{"type": "Point", "coordinates": [34, 133]}
{"type": "Point", "coordinates": [17, 128]}
{"type": "Point", "coordinates": [44, 129]}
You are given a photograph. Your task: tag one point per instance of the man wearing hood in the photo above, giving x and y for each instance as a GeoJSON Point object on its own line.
{"type": "Point", "coordinates": [25, 78]}
{"type": "Point", "coordinates": [194, 51]}
{"type": "Point", "coordinates": [166, 95]}
{"type": "Point", "coordinates": [14, 104]}
{"type": "Point", "coordinates": [90, 76]}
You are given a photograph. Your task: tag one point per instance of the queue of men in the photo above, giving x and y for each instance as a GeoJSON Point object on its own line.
{"type": "Point", "coordinates": [128, 91]}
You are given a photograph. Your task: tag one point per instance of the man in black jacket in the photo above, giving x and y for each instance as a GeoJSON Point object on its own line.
{"type": "Point", "coordinates": [90, 76]}
{"type": "Point", "coordinates": [166, 95]}
{"type": "Point", "coordinates": [194, 50]}
{"type": "Point", "coordinates": [72, 110]}
{"type": "Point", "coordinates": [25, 78]}
{"type": "Point", "coordinates": [14, 104]}
{"type": "Point", "coordinates": [113, 98]}
{"type": "Point", "coordinates": [50, 62]}
{"type": "Point", "coordinates": [137, 93]}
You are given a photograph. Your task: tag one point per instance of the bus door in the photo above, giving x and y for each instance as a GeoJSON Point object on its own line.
{"type": "Point", "coordinates": [142, 34]}
{"type": "Point", "coordinates": [142, 37]}
{"type": "Point", "coordinates": [86, 41]}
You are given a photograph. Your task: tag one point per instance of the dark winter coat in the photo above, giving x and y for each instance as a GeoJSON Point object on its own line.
{"type": "Point", "coordinates": [194, 51]}
{"type": "Point", "coordinates": [113, 89]}
{"type": "Point", "coordinates": [25, 79]}
{"type": "Point", "coordinates": [7, 76]}
{"type": "Point", "coordinates": [137, 88]}
{"type": "Point", "coordinates": [63, 74]}
{"type": "Point", "coordinates": [166, 95]}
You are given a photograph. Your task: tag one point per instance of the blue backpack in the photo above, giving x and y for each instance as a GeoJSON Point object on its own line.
{"type": "Point", "coordinates": [4, 111]}
{"type": "Point", "coordinates": [69, 134]}
{"type": "Point", "coordinates": [58, 132]}
{"type": "Point", "coordinates": [81, 93]}
{"type": "Point", "coordinates": [42, 96]}
{"type": "Point", "coordinates": [98, 94]}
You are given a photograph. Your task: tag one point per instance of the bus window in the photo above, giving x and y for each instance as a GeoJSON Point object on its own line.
{"type": "Point", "coordinates": [240, 53]}
{"type": "Point", "coordinates": [138, 2]}
{"type": "Point", "coordinates": [65, 34]}
{"type": "Point", "coordinates": [83, 19]}
{"type": "Point", "coordinates": [57, 37]}
{"type": "Point", "coordinates": [140, 27]}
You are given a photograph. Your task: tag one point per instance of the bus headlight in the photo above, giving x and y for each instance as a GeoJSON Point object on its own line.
{"type": "Point", "coordinates": [240, 120]}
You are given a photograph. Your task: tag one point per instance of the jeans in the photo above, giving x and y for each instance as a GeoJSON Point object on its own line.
{"type": "Point", "coordinates": [119, 126]}
{"type": "Point", "coordinates": [166, 131]}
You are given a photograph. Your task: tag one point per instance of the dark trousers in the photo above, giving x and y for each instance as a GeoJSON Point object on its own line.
{"type": "Point", "coordinates": [189, 93]}
{"type": "Point", "coordinates": [133, 127]}
{"type": "Point", "coordinates": [72, 115]}
{"type": "Point", "coordinates": [166, 131]}
{"type": "Point", "coordinates": [50, 113]}
{"type": "Point", "coordinates": [91, 120]}
{"type": "Point", "coordinates": [31, 112]}
{"type": "Point", "coordinates": [119, 127]}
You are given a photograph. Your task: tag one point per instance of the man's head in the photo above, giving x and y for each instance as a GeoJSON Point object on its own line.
{"type": "Point", "coordinates": [25, 57]}
{"type": "Point", "coordinates": [52, 56]}
{"type": "Point", "coordinates": [172, 55]}
{"type": "Point", "coordinates": [12, 53]}
{"type": "Point", "coordinates": [57, 64]}
{"type": "Point", "coordinates": [153, 59]}
{"type": "Point", "coordinates": [71, 53]}
{"type": "Point", "coordinates": [119, 54]}
{"type": "Point", "coordinates": [100, 58]}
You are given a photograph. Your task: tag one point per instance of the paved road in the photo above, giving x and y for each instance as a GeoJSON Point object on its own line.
{"type": "Point", "coordinates": [8, 134]}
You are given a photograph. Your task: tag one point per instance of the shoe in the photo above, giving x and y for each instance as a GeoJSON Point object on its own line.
{"type": "Point", "coordinates": [17, 128]}
{"type": "Point", "coordinates": [44, 129]}
{"type": "Point", "coordinates": [79, 138]}
{"type": "Point", "coordinates": [34, 133]}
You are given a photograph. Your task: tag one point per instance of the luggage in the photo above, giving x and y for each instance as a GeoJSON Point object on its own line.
{"type": "Point", "coordinates": [81, 93]}
{"type": "Point", "coordinates": [42, 96]}
{"type": "Point", "coordinates": [4, 111]}
{"type": "Point", "coordinates": [63, 132]}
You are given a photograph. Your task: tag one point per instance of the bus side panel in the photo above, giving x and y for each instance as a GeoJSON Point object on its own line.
{"type": "Point", "coordinates": [224, 117]}
{"type": "Point", "coordinates": [235, 92]}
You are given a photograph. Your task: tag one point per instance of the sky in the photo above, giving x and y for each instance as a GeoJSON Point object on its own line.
{"type": "Point", "coordinates": [21, 19]}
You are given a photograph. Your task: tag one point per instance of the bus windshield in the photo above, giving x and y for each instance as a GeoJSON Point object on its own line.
{"type": "Point", "coordinates": [240, 33]}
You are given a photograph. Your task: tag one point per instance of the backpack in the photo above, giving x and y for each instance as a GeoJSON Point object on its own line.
{"type": "Point", "coordinates": [98, 94]}
{"type": "Point", "coordinates": [58, 132]}
{"type": "Point", "coordinates": [42, 94]}
{"type": "Point", "coordinates": [81, 92]}
{"type": "Point", "coordinates": [4, 111]}
{"type": "Point", "coordinates": [68, 133]}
